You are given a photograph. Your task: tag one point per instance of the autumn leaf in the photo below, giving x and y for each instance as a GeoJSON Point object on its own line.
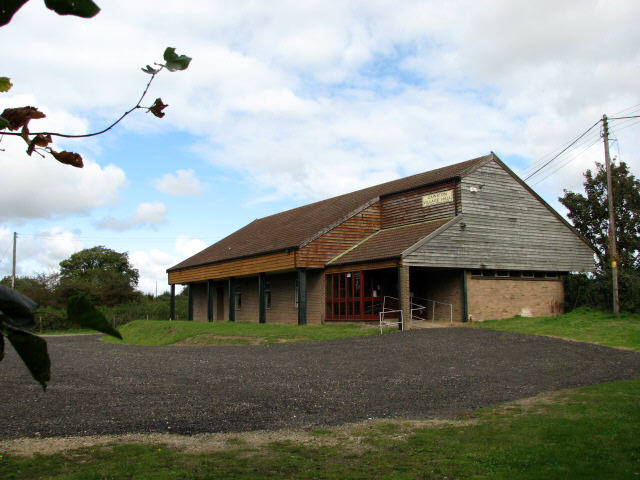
{"type": "Point", "coordinates": [38, 141]}
{"type": "Point", "coordinates": [157, 108]}
{"type": "Point", "coordinates": [68, 158]}
{"type": "Point", "coordinates": [20, 117]}
{"type": "Point", "coordinates": [5, 84]}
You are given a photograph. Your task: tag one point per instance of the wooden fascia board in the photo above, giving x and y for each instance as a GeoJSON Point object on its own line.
{"type": "Point", "coordinates": [338, 222]}
{"type": "Point", "coordinates": [242, 257]}
{"type": "Point", "coordinates": [431, 236]}
{"type": "Point", "coordinates": [539, 198]}
{"type": "Point", "coordinates": [355, 266]}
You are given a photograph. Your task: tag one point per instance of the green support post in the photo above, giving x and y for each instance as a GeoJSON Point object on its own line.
{"type": "Point", "coordinates": [172, 303]}
{"type": "Point", "coordinates": [302, 296]}
{"type": "Point", "coordinates": [465, 306]}
{"type": "Point", "coordinates": [209, 300]}
{"type": "Point", "coordinates": [262, 307]}
{"type": "Point", "coordinates": [232, 299]}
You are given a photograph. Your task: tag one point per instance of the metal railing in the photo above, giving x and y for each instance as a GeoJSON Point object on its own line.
{"type": "Point", "coordinates": [423, 309]}
{"type": "Point", "coordinates": [390, 316]}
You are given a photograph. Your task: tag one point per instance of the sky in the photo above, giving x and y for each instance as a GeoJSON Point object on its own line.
{"type": "Point", "coordinates": [290, 102]}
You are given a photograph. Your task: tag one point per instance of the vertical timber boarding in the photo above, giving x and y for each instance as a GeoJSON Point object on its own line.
{"type": "Point", "coordinates": [190, 308]}
{"type": "Point", "coordinates": [209, 300]}
{"type": "Point", "coordinates": [302, 296]}
{"type": "Point", "coordinates": [262, 307]}
{"type": "Point", "coordinates": [172, 303]}
{"type": "Point", "coordinates": [232, 299]}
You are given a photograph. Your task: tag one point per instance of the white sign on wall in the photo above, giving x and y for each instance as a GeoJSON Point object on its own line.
{"type": "Point", "coordinates": [437, 198]}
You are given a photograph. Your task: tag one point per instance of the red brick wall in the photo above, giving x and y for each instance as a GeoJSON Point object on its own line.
{"type": "Point", "coordinates": [493, 298]}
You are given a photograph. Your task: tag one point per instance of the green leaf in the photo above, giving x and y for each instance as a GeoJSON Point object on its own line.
{"type": "Point", "coordinates": [33, 352]}
{"type": "Point", "coordinates": [5, 84]}
{"type": "Point", "coordinates": [17, 309]}
{"type": "Point", "coordinates": [81, 311]}
{"type": "Point", "coordinates": [174, 61]}
{"type": "Point", "coordinates": [8, 8]}
{"type": "Point", "coordinates": [150, 70]}
{"type": "Point", "coordinates": [79, 8]}
{"type": "Point", "coordinates": [4, 123]}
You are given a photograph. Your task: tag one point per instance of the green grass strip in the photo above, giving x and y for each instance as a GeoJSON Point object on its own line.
{"type": "Point", "coordinates": [582, 324]}
{"type": "Point", "coordinates": [588, 433]}
{"type": "Point", "coordinates": [160, 332]}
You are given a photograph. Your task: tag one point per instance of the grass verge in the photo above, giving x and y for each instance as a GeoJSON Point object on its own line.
{"type": "Point", "coordinates": [158, 332]}
{"type": "Point", "coordinates": [588, 433]}
{"type": "Point", "coordinates": [582, 324]}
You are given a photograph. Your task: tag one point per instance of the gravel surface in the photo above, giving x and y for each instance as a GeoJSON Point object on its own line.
{"type": "Point", "coordinates": [100, 388]}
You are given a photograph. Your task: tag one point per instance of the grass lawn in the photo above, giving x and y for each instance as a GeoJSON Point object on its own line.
{"type": "Point", "coordinates": [582, 324]}
{"type": "Point", "coordinates": [159, 332]}
{"type": "Point", "coordinates": [588, 433]}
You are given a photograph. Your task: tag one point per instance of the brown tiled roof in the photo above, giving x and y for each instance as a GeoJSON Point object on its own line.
{"type": "Point", "coordinates": [292, 228]}
{"type": "Point", "coordinates": [388, 243]}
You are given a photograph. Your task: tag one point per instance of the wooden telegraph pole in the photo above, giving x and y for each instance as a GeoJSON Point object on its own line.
{"type": "Point", "coordinates": [13, 271]}
{"type": "Point", "coordinates": [613, 254]}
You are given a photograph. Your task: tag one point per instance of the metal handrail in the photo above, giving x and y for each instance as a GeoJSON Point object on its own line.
{"type": "Point", "coordinates": [433, 307]}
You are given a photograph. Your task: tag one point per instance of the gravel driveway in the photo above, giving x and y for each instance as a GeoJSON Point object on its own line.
{"type": "Point", "coordinates": [100, 388]}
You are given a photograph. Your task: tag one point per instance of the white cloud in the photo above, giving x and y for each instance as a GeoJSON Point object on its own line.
{"type": "Point", "coordinates": [152, 266]}
{"type": "Point", "coordinates": [146, 215]}
{"type": "Point", "coordinates": [186, 246]}
{"type": "Point", "coordinates": [39, 252]}
{"type": "Point", "coordinates": [34, 187]}
{"type": "Point", "coordinates": [183, 182]}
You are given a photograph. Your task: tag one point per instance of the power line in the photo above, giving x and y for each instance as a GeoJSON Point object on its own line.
{"type": "Point", "coordinates": [563, 150]}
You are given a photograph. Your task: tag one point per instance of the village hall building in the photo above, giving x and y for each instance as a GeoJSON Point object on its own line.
{"type": "Point", "coordinates": [469, 241]}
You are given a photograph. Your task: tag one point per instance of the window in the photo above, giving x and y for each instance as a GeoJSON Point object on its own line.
{"type": "Point", "coordinates": [352, 296]}
{"type": "Point", "coordinates": [297, 291]}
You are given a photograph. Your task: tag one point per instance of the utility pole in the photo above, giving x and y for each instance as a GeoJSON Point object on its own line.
{"type": "Point", "coordinates": [613, 254]}
{"type": "Point", "coordinates": [13, 272]}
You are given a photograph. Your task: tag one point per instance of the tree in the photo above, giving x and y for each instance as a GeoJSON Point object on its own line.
{"type": "Point", "coordinates": [103, 275]}
{"type": "Point", "coordinates": [590, 214]}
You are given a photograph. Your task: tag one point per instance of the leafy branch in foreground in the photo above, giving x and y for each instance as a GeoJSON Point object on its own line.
{"type": "Point", "coordinates": [13, 119]}
{"type": "Point", "coordinates": [17, 324]}
{"type": "Point", "coordinates": [79, 8]}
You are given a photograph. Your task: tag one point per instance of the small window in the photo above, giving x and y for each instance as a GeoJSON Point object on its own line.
{"type": "Point", "coordinates": [297, 291]}
{"type": "Point", "coordinates": [267, 299]}
{"type": "Point", "coordinates": [488, 273]}
{"type": "Point", "coordinates": [528, 275]}
{"type": "Point", "coordinates": [551, 275]}
{"type": "Point", "coordinates": [502, 273]}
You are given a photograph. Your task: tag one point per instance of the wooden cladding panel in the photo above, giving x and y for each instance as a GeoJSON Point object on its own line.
{"type": "Point", "coordinates": [235, 268]}
{"type": "Point", "coordinates": [406, 207]}
{"type": "Point", "coordinates": [507, 228]}
{"type": "Point", "coordinates": [340, 238]}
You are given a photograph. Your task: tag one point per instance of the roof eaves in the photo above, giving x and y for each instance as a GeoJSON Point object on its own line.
{"type": "Point", "coordinates": [432, 235]}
